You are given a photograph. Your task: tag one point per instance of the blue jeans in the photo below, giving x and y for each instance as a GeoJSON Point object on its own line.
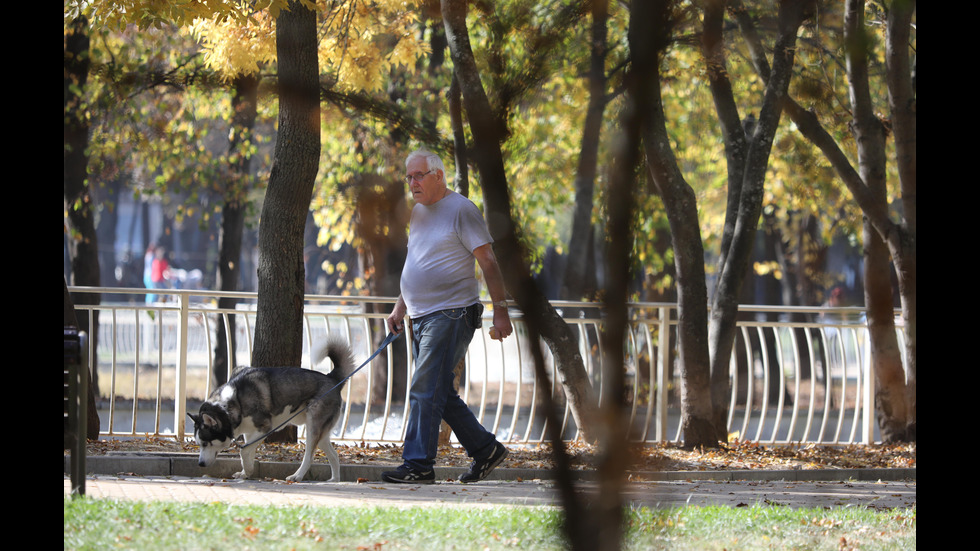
{"type": "Point", "coordinates": [439, 342]}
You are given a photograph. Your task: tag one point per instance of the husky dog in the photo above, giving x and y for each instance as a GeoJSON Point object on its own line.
{"type": "Point", "coordinates": [257, 400]}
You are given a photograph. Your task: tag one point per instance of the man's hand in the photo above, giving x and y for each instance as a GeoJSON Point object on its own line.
{"type": "Point", "coordinates": [396, 319]}
{"type": "Point", "coordinates": [502, 327]}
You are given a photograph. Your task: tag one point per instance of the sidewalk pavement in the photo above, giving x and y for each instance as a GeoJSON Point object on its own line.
{"type": "Point", "coordinates": [176, 477]}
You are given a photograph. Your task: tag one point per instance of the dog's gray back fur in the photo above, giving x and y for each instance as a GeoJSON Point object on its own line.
{"type": "Point", "coordinates": [268, 391]}
{"type": "Point", "coordinates": [257, 399]}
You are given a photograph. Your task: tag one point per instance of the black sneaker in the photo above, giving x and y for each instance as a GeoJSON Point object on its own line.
{"type": "Point", "coordinates": [480, 469]}
{"type": "Point", "coordinates": [408, 475]}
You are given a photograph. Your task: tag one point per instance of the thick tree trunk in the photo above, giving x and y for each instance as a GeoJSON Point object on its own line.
{"type": "Point", "coordinates": [82, 243]}
{"type": "Point", "coordinates": [891, 403]}
{"type": "Point", "coordinates": [462, 179]}
{"type": "Point", "coordinates": [647, 43]}
{"type": "Point", "coordinates": [737, 138]}
{"type": "Point", "coordinates": [281, 272]}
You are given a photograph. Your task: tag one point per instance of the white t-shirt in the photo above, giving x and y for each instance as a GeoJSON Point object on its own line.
{"type": "Point", "coordinates": [440, 269]}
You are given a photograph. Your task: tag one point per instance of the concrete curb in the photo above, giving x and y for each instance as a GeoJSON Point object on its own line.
{"type": "Point", "coordinates": [175, 464]}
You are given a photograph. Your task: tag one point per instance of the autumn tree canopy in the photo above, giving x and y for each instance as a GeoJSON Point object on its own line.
{"type": "Point", "coordinates": [162, 75]}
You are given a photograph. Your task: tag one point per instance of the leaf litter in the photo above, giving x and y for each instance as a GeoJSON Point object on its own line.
{"type": "Point", "coordinates": [734, 455]}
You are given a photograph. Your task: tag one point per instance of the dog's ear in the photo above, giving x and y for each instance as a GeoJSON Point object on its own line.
{"type": "Point", "coordinates": [195, 418]}
{"type": "Point", "coordinates": [208, 421]}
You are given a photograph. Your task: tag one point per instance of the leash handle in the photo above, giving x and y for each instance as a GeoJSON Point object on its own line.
{"type": "Point", "coordinates": [384, 344]}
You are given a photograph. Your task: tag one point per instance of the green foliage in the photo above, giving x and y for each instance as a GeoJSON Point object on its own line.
{"type": "Point", "coordinates": [157, 122]}
{"type": "Point", "coordinates": [159, 101]}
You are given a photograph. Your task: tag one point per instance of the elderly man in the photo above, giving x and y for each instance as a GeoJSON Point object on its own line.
{"type": "Point", "coordinates": [440, 295]}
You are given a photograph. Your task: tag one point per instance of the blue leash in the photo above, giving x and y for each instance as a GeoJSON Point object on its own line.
{"type": "Point", "coordinates": [388, 340]}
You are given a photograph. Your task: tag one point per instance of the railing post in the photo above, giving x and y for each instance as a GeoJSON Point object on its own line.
{"type": "Point", "coordinates": [868, 396]}
{"type": "Point", "coordinates": [662, 358]}
{"type": "Point", "coordinates": [180, 400]}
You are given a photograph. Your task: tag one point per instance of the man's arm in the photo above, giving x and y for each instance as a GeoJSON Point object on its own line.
{"type": "Point", "coordinates": [495, 285]}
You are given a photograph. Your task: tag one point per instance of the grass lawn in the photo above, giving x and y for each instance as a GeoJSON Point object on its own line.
{"type": "Point", "coordinates": [114, 524]}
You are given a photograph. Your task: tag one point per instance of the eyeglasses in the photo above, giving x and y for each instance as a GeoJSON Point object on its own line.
{"type": "Point", "coordinates": [417, 176]}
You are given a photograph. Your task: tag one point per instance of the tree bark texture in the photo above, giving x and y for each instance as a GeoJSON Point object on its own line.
{"type": "Point", "coordinates": [647, 41]}
{"type": "Point", "coordinates": [281, 273]}
{"type": "Point", "coordinates": [489, 160]}
{"type": "Point", "coordinates": [455, 99]}
{"type": "Point", "coordinates": [870, 136]}
{"type": "Point", "coordinates": [742, 219]}
{"type": "Point", "coordinates": [902, 101]}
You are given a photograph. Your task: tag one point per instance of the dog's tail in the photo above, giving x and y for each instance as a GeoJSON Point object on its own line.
{"type": "Point", "coordinates": [340, 355]}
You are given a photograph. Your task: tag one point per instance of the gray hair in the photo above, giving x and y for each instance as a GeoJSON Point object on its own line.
{"type": "Point", "coordinates": [432, 161]}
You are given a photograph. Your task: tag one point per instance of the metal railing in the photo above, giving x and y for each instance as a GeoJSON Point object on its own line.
{"type": "Point", "coordinates": [792, 382]}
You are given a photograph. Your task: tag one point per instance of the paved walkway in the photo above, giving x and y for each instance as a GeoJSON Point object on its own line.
{"type": "Point", "coordinates": [879, 495]}
{"type": "Point", "coordinates": [144, 478]}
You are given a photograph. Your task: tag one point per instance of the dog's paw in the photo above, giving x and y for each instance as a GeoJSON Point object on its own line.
{"type": "Point", "coordinates": [241, 475]}
{"type": "Point", "coordinates": [295, 478]}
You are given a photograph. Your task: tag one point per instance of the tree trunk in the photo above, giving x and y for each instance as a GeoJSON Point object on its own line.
{"type": "Point", "coordinates": [455, 100]}
{"type": "Point", "coordinates": [382, 215]}
{"type": "Point", "coordinates": [83, 248]}
{"type": "Point", "coordinates": [899, 238]}
{"type": "Point", "coordinates": [82, 242]}
{"type": "Point", "coordinates": [612, 421]}
{"type": "Point", "coordinates": [489, 160]}
{"type": "Point", "coordinates": [281, 273]}
{"type": "Point", "coordinates": [244, 104]}
{"type": "Point", "coordinates": [902, 101]}
{"type": "Point", "coordinates": [579, 274]}
{"type": "Point", "coordinates": [749, 174]}
{"type": "Point", "coordinates": [891, 404]}
{"type": "Point", "coordinates": [646, 46]}
{"type": "Point", "coordinates": [870, 135]}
